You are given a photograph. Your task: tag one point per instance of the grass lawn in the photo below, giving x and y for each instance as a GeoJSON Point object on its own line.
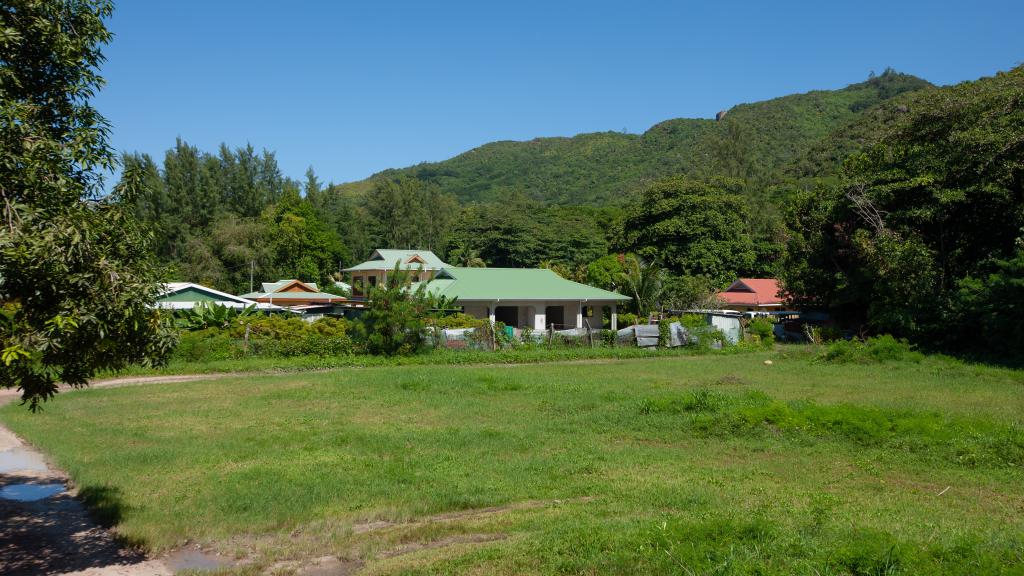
{"type": "Point", "coordinates": [713, 464]}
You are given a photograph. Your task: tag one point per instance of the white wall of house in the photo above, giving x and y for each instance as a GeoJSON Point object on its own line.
{"type": "Point", "coordinates": [533, 313]}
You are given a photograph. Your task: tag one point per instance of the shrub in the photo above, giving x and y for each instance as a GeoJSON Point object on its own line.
{"type": "Point", "coordinates": [206, 345]}
{"type": "Point", "coordinates": [211, 315]}
{"type": "Point", "coordinates": [664, 333]}
{"type": "Point", "coordinates": [481, 338]}
{"type": "Point", "coordinates": [763, 331]}
{"type": "Point", "coordinates": [627, 319]}
{"type": "Point", "coordinates": [268, 336]}
{"type": "Point", "coordinates": [878, 349]}
{"type": "Point", "coordinates": [396, 321]}
{"type": "Point", "coordinates": [702, 335]}
{"type": "Point", "coordinates": [456, 320]}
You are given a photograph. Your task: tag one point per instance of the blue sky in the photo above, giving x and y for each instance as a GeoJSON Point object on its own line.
{"type": "Point", "coordinates": [352, 88]}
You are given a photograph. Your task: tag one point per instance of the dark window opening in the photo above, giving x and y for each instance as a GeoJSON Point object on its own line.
{"type": "Point", "coordinates": [508, 315]}
{"type": "Point", "coordinates": [555, 315]}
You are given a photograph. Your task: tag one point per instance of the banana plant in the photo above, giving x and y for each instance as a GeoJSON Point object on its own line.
{"type": "Point", "coordinates": [211, 315]}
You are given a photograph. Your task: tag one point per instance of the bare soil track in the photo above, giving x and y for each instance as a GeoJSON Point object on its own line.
{"type": "Point", "coordinates": [56, 534]}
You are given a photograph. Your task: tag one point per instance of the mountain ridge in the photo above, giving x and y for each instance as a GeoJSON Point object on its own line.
{"type": "Point", "coordinates": [601, 168]}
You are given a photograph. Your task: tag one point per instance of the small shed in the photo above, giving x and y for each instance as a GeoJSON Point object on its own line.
{"type": "Point", "coordinates": [727, 321]}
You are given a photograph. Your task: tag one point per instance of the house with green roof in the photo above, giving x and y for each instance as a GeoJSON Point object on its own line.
{"type": "Point", "coordinates": [375, 270]}
{"type": "Point", "coordinates": [534, 298]}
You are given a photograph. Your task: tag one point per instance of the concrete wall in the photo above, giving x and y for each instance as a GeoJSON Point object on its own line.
{"type": "Point", "coordinates": [532, 314]}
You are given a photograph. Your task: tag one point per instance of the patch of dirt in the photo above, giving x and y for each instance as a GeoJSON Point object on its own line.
{"type": "Point", "coordinates": [375, 525]}
{"type": "Point", "coordinates": [13, 394]}
{"type": "Point", "coordinates": [412, 547]}
{"type": "Point", "coordinates": [731, 380]}
{"type": "Point", "coordinates": [55, 535]}
{"type": "Point", "coordinates": [133, 380]}
{"type": "Point", "coordinates": [323, 566]}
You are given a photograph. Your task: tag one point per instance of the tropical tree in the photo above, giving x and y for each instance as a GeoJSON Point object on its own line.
{"type": "Point", "coordinates": [396, 321]}
{"type": "Point", "coordinates": [922, 228]}
{"type": "Point", "coordinates": [643, 281]}
{"type": "Point", "coordinates": [77, 279]}
{"type": "Point", "coordinates": [605, 271]}
{"type": "Point", "coordinates": [696, 228]}
{"type": "Point", "coordinates": [466, 257]}
{"type": "Point", "coordinates": [304, 247]}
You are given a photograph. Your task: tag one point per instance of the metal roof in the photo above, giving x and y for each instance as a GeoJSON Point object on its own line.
{"type": "Point", "coordinates": [494, 284]}
{"type": "Point", "coordinates": [753, 292]}
{"type": "Point", "coordinates": [272, 290]}
{"type": "Point", "coordinates": [385, 259]}
{"type": "Point", "coordinates": [170, 289]}
{"type": "Point", "coordinates": [276, 286]}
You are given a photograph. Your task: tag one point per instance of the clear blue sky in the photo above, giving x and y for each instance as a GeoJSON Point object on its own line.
{"type": "Point", "coordinates": [355, 87]}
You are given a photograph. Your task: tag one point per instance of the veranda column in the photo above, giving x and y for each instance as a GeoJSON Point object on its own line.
{"type": "Point", "coordinates": [615, 317]}
{"type": "Point", "coordinates": [540, 317]}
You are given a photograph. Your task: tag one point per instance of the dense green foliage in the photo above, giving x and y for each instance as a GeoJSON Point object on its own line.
{"type": "Point", "coordinates": [877, 349]}
{"type": "Point", "coordinates": [266, 337]}
{"type": "Point", "coordinates": [210, 315]}
{"type": "Point", "coordinates": [922, 234]}
{"type": "Point", "coordinates": [555, 201]}
{"type": "Point", "coordinates": [695, 228]}
{"type": "Point", "coordinates": [396, 323]}
{"type": "Point", "coordinates": [218, 218]}
{"type": "Point", "coordinates": [77, 275]}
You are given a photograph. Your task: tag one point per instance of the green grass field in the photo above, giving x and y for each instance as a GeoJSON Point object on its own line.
{"type": "Point", "coordinates": [713, 464]}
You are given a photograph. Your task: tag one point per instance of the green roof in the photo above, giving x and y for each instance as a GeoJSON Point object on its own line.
{"type": "Point", "coordinates": [492, 284]}
{"type": "Point", "coordinates": [385, 259]}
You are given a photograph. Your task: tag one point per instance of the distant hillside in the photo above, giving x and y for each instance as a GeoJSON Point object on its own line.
{"type": "Point", "coordinates": [758, 139]}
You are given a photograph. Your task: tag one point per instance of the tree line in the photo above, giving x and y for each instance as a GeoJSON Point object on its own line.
{"type": "Point", "coordinates": [917, 233]}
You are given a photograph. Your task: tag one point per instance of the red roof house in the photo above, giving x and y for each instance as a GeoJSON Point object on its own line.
{"type": "Point", "coordinates": [749, 294]}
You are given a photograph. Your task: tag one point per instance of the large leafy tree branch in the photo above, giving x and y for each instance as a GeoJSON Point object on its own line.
{"type": "Point", "coordinates": [77, 278]}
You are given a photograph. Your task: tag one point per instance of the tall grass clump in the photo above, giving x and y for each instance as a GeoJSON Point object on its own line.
{"type": "Point", "coordinates": [874, 350]}
{"type": "Point", "coordinates": [966, 442]}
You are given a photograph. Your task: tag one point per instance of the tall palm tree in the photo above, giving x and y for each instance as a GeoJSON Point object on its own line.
{"type": "Point", "coordinates": [643, 281]}
{"type": "Point", "coordinates": [467, 258]}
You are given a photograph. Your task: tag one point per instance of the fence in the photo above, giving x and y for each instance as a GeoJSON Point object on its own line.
{"type": "Point", "coordinates": [487, 338]}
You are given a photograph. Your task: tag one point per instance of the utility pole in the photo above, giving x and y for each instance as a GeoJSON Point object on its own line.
{"type": "Point", "coordinates": [252, 267]}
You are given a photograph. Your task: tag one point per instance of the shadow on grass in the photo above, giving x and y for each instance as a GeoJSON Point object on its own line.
{"type": "Point", "coordinates": [59, 534]}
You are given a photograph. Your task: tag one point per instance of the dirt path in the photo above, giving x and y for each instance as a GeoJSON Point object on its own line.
{"type": "Point", "coordinates": [45, 528]}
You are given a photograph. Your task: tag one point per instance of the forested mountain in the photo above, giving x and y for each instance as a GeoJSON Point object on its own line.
{"type": "Point", "coordinates": [751, 140]}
